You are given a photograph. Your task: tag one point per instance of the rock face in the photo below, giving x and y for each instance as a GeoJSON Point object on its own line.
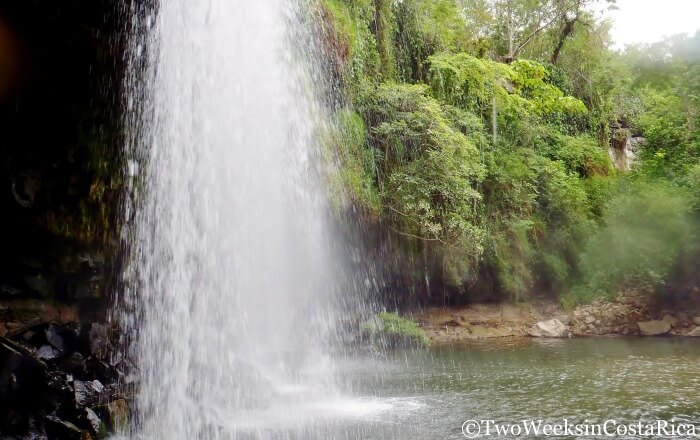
{"type": "Point", "coordinates": [617, 317]}
{"type": "Point", "coordinates": [549, 329]}
{"type": "Point", "coordinates": [654, 328]}
{"type": "Point", "coordinates": [624, 148]}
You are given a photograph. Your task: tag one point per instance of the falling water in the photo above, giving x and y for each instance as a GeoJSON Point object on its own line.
{"type": "Point", "coordinates": [228, 285]}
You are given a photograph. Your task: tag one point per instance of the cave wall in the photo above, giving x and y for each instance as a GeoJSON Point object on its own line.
{"type": "Point", "coordinates": [60, 149]}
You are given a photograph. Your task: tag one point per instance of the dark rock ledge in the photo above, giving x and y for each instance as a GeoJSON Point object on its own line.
{"type": "Point", "coordinates": [62, 382]}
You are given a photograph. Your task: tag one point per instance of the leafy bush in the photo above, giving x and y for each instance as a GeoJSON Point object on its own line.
{"type": "Point", "coordinates": [518, 90]}
{"type": "Point", "coordinates": [581, 154]}
{"type": "Point", "coordinates": [428, 171]}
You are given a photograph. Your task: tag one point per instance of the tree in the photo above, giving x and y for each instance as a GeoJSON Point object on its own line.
{"type": "Point", "coordinates": [523, 21]}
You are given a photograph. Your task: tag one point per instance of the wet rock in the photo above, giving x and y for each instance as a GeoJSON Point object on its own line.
{"type": "Point", "coordinates": [34, 336]}
{"type": "Point", "coordinates": [63, 339]}
{"type": "Point", "coordinates": [55, 339]}
{"type": "Point", "coordinates": [59, 391]}
{"type": "Point", "coordinates": [47, 352]}
{"type": "Point", "coordinates": [98, 428]}
{"type": "Point", "coordinates": [88, 393]}
{"type": "Point", "coordinates": [34, 431]}
{"type": "Point", "coordinates": [118, 411]}
{"type": "Point", "coordinates": [654, 328]}
{"type": "Point", "coordinates": [549, 329]}
{"type": "Point", "coordinates": [102, 371]}
{"type": "Point", "coordinates": [100, 344]}
{"type": "Point", "coordinates": [21, 374]}
{"type": "Point", "coordinates": [37, 335]}
{"type": "Point", "coordinates": [74, 365]}
{"type": "Point", "coordinates": [61, 429]}
{"type": "Point", "coordinates": [48, 370]}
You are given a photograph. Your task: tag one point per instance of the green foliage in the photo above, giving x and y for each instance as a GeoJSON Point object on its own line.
{"type": "Point", "coordinates": [646, 227]}
{"type": "Point", "coordinates": [536, 213]}
{"type": "Point", "coordinates": [386, 323]}
{"type": "Point", "coordinates": [361, 63]}
{"type": "Point", "coordinates": [693, 183]}
{"type": "Point", "coordinates": [518, 91]}
{"type": "Point", "coordinates": [427, 171]}
{"type": "Point", "coordinates": [498, 173]}
{"type": "Point", "coordinates": [465, 81]}
{"type": "Point", "coordinates": [353, 176]}
{"type": "Point", "coordinates": [667, 97]}
{"type": "Point", "coordinates": [581, 155]}
{"type": "Point", "coordinates": [425, 27]}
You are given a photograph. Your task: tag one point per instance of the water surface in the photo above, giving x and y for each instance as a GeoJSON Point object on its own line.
{"type": "Point", "coordinates": [429, 394]}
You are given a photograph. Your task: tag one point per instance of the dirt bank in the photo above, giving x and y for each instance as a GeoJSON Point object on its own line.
{"type": "Point", "coordinates": [619, 317]}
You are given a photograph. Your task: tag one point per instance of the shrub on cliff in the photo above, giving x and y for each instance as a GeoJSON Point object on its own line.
{"type": "Point", "coordinates": [390, 330]}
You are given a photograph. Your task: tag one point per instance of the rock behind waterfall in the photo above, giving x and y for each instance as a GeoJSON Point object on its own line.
{"type": "Point", "coordinates": [549, 329]}
{"type": "Point", "coordinates": [61, 382]}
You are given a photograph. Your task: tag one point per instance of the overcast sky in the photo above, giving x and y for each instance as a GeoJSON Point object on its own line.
{"type": "Point", "coordinates": [644, 21]}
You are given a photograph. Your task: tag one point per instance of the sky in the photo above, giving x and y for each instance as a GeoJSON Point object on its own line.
{"type": "Point", "coordinates": [645, 21]}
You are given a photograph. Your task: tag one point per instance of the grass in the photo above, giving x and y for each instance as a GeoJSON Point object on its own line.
{"type": "Point", "coordinates": [392, 324]}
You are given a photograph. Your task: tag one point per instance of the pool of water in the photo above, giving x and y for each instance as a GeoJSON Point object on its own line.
{"type": "Point", "coordinates": [429, 394]}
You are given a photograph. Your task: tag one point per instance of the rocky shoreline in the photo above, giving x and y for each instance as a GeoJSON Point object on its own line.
{"type": "Point", "coordinates": [630, 314]}
{"type": "Point", "coordinates": [62, 379]}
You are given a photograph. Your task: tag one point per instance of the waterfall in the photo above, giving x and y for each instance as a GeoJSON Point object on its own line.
{"type": "Point", "coordinates": [228, 286]}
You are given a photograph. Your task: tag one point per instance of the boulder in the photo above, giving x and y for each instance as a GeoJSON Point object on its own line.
{"type": "Point", "coordinates": [88, 393]}
{"type": "Point", "coordinates": [47, 352]}
{"type": "Point", "coordinates": [51, 382]}
{"type": "Point", "coordinates": [100, 344]}
{"type": "Point", "coordinates": [94, 421]}
{"type": "Point", "coordinates": [23, 383]}
{"type": "Point", "coordinates": [55, 338]}
{"type": "Point", "coordinates": [564, 319]}
{"type": "Point", "coordinates": [670, 319]}
{"type": "Point", "coordinates": [695, 333]}
{"type": "Point", "coordinates": [57, 428]}
{"type": "Point", "coordinates": [696, 320]}
{"type": "Point", "coordinates": [549, 329]}
{"type": "Point", "coordinates": [74, 365]}
{"type": "Point", "coordinates": [654, 328]}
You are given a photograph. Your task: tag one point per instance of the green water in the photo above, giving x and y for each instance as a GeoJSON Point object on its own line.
{"type": "Point", "coordinates": [429, 394]}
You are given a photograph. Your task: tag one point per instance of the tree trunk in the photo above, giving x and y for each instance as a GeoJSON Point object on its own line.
{"type": "Point", "coordinates": [565, 32]}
